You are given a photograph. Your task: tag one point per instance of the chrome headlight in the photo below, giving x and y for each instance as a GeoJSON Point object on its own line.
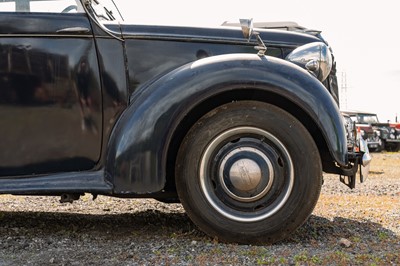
{"type": "Point", "coordinates": [315, 57]}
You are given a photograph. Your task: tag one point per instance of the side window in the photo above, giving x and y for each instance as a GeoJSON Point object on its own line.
{"type": "Point", "coordinates": [46, 6]}
{"type": "Point", "coordinates": [7, 6]}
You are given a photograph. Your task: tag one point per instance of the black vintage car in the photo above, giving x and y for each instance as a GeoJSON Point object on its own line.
{"type": "Point", "coordinates": [379, 136]}
{"type": "Point", "coordinates": [235, 124]}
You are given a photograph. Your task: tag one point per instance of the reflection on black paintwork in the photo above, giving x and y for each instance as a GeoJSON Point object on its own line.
{"type": "Point", "coordinates": [147, 64]}
{"type": "Point", "coordinates": [83, 85]}
{"type": "Point", "coordinates": [50, 105]}
{"type": "Point", "coordinates": [24, 73]}
{"type": "Point", "coordinates": [201, 54]}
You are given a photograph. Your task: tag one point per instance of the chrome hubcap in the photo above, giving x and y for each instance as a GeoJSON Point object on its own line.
{"type": "Point", "coordinates": [242, 177]}
{"type": "Point", "coordinates": [245, 174]}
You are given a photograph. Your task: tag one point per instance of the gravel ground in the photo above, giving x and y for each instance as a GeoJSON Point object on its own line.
{"type": "Point", "coordinates": [357, 227]}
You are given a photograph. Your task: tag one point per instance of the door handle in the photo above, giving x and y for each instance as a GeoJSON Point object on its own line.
{"type": "Point", "coordinates": [74, 30]}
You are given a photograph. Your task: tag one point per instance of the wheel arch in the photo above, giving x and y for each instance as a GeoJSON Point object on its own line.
{"type": "Point", "coordinates": [244, 95]}
{"type": "Point", "coordinates": [144, 143]}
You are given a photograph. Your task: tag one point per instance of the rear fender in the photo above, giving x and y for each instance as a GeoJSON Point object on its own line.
{"type": "Point", "coordinates": [138, 147]}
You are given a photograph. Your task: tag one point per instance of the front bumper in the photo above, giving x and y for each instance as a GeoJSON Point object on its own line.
{"type": "Point", "coordinates": [373, 141]}
{"type": "Point", "coordinates": [393, 140]}
{"type": "Point", "coordinates": [374, 144]}
{"type": "Point", "coordinates": [359, 164]}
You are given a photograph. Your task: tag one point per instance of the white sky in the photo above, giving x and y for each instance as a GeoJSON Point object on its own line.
{"type": "Point", "coordinates": [363, 36]}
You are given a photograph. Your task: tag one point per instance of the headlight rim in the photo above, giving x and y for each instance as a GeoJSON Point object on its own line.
{"type": "Point", "coordinates": [315, 57]}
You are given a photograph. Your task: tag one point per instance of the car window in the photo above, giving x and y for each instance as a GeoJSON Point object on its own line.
{"type": "Point", "coordinates": [368, 119]}
{"type": "Point", "coordinates": [47, 6]}
{"type": "Point", "coordinates": [353, 118]}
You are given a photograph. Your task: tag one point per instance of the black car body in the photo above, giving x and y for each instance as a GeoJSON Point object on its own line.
{"type": "Point", "coordinates": [379, 136]}
{"type": "Point", "coordinates": [179, 114]}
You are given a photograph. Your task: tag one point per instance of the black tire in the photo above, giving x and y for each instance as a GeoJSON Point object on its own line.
{"type": "Point", "coordinates": [393, 147]}
{"type": "Point", "coordinates": [397, 147]}
{"type": "Point", "coordinates": [248, 172]}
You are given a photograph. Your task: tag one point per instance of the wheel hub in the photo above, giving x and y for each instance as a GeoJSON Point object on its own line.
{"type": "Point", "coordinates": [246, 174]}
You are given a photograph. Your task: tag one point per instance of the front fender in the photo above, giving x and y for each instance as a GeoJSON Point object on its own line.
{"type": "Point", "coordinates": [137, 151]}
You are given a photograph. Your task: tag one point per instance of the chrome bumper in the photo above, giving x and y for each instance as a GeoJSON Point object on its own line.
{"type": "Point", "coordinates": [360, 162]}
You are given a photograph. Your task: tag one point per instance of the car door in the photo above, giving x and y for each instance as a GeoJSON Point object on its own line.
{"type": "Point", "coordinates": [50, 95]}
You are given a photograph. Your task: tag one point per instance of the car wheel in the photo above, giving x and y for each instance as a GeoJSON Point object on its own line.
{"type": "Point", "coordinates": [393, 147]}
{"type": "Point", "coordinates": [248, 172]}
{"type": "Point", "coordinates": [397, 147]}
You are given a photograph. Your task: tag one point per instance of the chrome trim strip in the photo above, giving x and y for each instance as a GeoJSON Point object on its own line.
{"type": "Point", "coordinates": [205, 40]}
{"type": "Point", "coordinates": [29, 35]}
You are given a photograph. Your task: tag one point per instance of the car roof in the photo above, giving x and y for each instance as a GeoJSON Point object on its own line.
{"type": "Point", "coordinates": [355, 112]}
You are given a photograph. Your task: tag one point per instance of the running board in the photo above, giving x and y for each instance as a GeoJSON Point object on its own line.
{"type": "Point", "coordinates": [56, 184]}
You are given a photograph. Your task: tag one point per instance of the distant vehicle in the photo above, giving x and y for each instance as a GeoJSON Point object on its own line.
{"type": "Point", "coordinates": [379, 136]}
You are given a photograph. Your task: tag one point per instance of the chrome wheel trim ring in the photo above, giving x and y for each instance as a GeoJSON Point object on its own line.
{"type": "Point", "coordinates": [207, 156]}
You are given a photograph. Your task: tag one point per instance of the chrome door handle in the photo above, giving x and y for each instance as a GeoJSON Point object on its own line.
{"type": "Point", "coordinates": [74, 30]}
